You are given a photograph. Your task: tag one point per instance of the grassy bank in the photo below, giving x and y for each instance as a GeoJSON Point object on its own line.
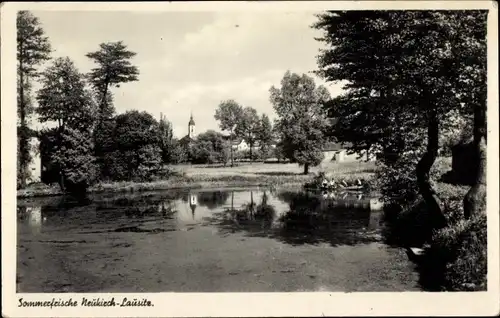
{"type": "Point", "coordinates": [216, 176]}
{"type": "Point", "coordinates": [456, 257]}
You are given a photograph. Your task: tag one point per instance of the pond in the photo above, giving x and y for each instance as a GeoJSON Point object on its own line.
{"type": "Point", "coordinates": [226, 240]}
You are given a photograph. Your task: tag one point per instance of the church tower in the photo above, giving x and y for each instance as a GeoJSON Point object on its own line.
{"type": "Point", "coordinates": [191, 127]}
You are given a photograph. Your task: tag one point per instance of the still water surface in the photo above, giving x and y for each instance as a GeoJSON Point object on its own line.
{"type": "Point", "coordinates": [226, 240]}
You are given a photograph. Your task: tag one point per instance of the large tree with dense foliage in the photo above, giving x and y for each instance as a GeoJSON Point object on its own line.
{"type": "Point", "coordinates": [64, 99]}
{"type": "Point", "coordinates": [248, 127]}
{"type": "Point", "coordinates": [301, 123]}
{"type": "Point", "coordinates": [33, 48]}
{"type": "Point", "coordinates": [402, 70]}
{"type": "Point", "coordinates": [229, 114]}
{"type": "Point", "coordinates": [132, 149]}
{"type": "Point", "coordinates": [217, 145]}
{"type": "Point", "coordinates": [113, 68]}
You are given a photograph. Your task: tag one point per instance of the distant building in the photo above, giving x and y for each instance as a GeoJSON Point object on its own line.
{"type": "Point", "coordinates": [188, 139]}
{"type": "Point", "coordinates": [240, 145]}
{"type": "Point", "coordinates": [337, 152]}
{"type": "Point", "coordinates": [35, 166]}
{"type": "Point", "coordinates": [191, 127]}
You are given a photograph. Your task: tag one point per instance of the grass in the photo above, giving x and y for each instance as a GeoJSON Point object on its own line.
{"type": "Point", "coordinates": [216, 176]}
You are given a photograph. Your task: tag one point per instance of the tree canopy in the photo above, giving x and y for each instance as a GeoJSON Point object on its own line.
{"type": "Point", "coordinates": [113, 68]}
{"type": "Point", "coordinates": [64, 98]}
{"type": "Point", "coordinates": [229, 114]}
{"type": "Point", "coordinates": [404, 72]}
{"type": "Point", "coordinates": [301, 123]}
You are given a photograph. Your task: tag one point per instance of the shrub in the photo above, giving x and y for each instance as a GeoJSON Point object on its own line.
{"type": "Point", "coordinates": [397, 180]}
{"type": "Point", "coordinates": [462, 249]}
{"type": "Point", "coordinates": [149, 163]}
{"type": "Point", "coordinates": [73, 155]}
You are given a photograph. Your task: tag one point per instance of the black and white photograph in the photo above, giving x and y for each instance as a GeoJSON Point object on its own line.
{"type": "Point", "coordinates": [313, 149]}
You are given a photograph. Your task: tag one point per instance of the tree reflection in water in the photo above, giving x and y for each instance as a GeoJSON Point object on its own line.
{"type": "Point", "coordinates": [310, 219]}
{"type": "Point", "coordinates": [256, 218]}
{"type": "Point", "coordinates": [213, 199]}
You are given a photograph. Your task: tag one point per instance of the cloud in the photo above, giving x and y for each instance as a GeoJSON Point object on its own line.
{"type": "Point", "coordinates": [245, 43]}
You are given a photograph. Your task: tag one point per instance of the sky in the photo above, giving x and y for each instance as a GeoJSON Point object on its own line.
{"type": "Point", "coordinates": [190, 61]}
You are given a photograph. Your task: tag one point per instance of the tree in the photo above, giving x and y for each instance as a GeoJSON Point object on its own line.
{"type": "Point", "coordinates": [177, 152]}
{"type": "Point", "coordinates": [132, 152]}
{"type": "Point", "coordinates": [265, 134]}
{"type": "Point", "coordinates": [218, 146]}
{"type": "Point", "coordinates": [248, 127]}
{"type": "Point", "coordinates": [402, 69]}
{"type": "Point", "coordinates": [302, 121]}
{"type": "Point", "coordinates": [229, 116]}
{"type": "Point", "coordinates": [473, 52]}
{"type": "Point", "coordinates": [64, 99]}
{"type": "Point", "coordinates": [113, 68]}
{"type": "Point", "coordinates": [33, 48]}
{"type": "Point", "coordinates": [166, 135]}
{"type": "Point", "coordinates": [73, 155]}
{"type": "Point", "coordinates": [201, 152]}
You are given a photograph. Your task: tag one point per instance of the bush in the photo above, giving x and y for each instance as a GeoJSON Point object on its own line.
{"type": "Point", "coordinates": [73, 156]}
{"type": "Point", "coordinates": [175, 153]}
{"type": "Point", "coordinates": [397, 180]}
{"type": "Point", "coordinates": [149, 163]}
{"type": "Point", "coordinates": [129, 148]}
{"type": "Point", "coordinates": [462, 249]}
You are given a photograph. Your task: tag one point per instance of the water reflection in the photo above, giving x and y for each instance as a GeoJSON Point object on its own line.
{"type": "Point", "coordinates": [291, 217]}
{"type": "Point", "coordinates": [252, 216]}
{"type": "Point", "coordinates": [172, 241]}
{"type": "Point", "coordinates": [33, 217]}
{"type": "Point", "coordinates": [307, 218]}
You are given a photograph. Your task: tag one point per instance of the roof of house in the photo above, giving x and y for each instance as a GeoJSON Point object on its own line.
{"type": "Point", "coordinates": [331, 146]}
{"type": "Point", "coordinates": [335, 146]}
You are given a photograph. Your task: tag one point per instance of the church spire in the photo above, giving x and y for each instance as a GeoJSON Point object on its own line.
{"type": "Point", "coordinates": [191, 120]}
{"type": "Point", "coordinates": [191, 124]}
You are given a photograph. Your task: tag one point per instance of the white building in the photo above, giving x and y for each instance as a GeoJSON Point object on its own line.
{"type": "Point", "coordinates": [35, 166]}
{"type": "Point", "coordinates": [240, 145]}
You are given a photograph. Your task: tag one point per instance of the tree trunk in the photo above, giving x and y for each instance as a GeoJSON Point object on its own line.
{"type": "Point", "coordinates": [103, 101]}
{"type": "Point", "coordinates": [232, 200]}
{"type": "Point", "coordinates": [23, 140]}
{"type": "Point", "coordinates": [61, 181]}
{"type": "Point", "coordinates": [306, 168]}
{"type": "Point", "coordinates": [475, 199]}
{"type": "Point", "coordinates": [231, 146]}
{"type": "Point", "coordinates": [60, 168]}
{"type": "Point", "coordinates": [424, 166]}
